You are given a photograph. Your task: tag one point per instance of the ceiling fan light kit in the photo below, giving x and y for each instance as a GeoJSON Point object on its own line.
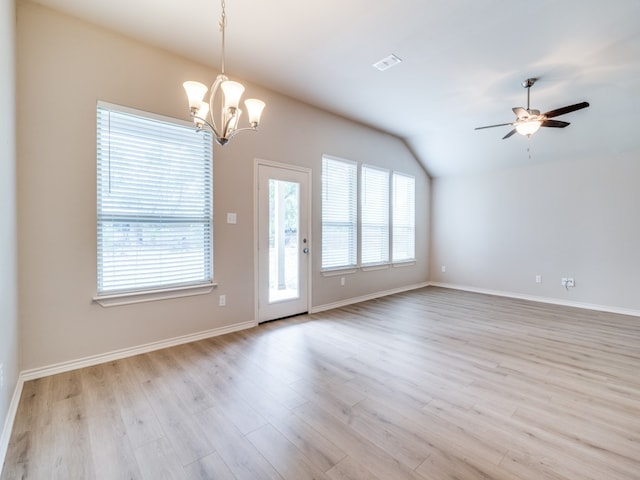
{"type": "Point", "coordinates": [528, 120]}
{"type": "Point", "coordinates": [528, 128]}
{"type": "Point", "coordinates": [202, 112]}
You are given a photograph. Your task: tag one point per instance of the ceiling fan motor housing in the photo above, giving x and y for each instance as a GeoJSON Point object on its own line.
{"type": "Point", "coordinates": [531, 113]}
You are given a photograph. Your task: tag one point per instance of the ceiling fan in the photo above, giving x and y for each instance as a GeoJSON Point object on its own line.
{"type": "Point", "coordinates": [529, 120]}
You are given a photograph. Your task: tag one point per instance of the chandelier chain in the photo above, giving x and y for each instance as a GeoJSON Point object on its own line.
{"type": "Point", "coordinates": [223, 25]}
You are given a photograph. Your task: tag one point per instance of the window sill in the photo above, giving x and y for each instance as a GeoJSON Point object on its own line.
{"type": "Point", "coordinates": [407, 263]}
{"type": "Point", "coordinates": [339, 271]}
{"type": "Point", "coordinates": [129, 298]}
{"type": "Point", "coordinates": [372, 267]}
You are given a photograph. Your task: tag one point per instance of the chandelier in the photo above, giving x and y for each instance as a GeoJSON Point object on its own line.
{"type": "Point", "coordinates": [202, 112]}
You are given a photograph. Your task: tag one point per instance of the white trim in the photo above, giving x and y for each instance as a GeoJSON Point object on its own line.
{"type": "Point", "coordinates": [9, 421]}
{"type": "Point", "coordinates": [128, 298]}
{"type": "Point", "coordinates": [372, 267]}
{"type": "Point", "coordinates": [143, 113]}
{"type": "Point", "coordinates": [334, 272]}
{"type": "Point", "coordinates": [404, 263]}
{"type": "Point", "coordinates": [286, 166]}
{"type": "Point", "coordinates": [364, 298]}
{"type": "Point", "coordinates": [130, 352]}
{"type": "Point", "coordinates": [534, 298]}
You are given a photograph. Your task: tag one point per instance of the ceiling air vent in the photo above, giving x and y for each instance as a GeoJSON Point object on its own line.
{"type": "Point", "coordinates": [387, 62]}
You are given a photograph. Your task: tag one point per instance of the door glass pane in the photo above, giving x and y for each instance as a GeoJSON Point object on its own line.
{"type": "Point", "coordinates": [284, 248]}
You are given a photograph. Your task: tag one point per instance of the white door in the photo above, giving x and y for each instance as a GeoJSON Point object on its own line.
{"type": "Point", "coordinates": [283, 240]}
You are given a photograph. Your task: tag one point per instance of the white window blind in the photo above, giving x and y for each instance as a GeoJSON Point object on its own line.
{"type": "Point", "coordinates": [374, 208]}
{"type": "Point", "coordinates": [155, 202]}
{"type": "Point", "coordinates": [339, 213]}
{"type": "Point", "coordinates": [404, 218]}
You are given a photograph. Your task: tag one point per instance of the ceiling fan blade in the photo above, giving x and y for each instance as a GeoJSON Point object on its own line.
{"type": "Point", "coordinates": [554, 123]}
{"type": "Point", "coordinates": [520, 112]}
{"type": "Point", "coordinates": [567, 109]}
{"type": "Point", "coordinates": [509, 134]}
{"type": "Point", "coordinates": [491, 126]}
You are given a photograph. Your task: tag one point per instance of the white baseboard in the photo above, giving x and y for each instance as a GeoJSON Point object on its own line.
{"type": "Point", "coordinates": [130, 352]}
{"type": "Point", "coordinates": [533, 298]}
{"type": "Point", "coordinates": [8, 423]}
{"type": "Point", "coordinates": [363, 298]}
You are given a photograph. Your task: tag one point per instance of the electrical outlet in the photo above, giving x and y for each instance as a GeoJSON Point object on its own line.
{"type": "Point", "coordinates": [444, 268]}
{"type": "Point", "coordinates": [538, 278]}
{"type": "Point", "coordinates": [568, 282]}
{"type": "Point", "coordinates": [222, 300]}
{"type": "Point", "coordinates": [342, 281]}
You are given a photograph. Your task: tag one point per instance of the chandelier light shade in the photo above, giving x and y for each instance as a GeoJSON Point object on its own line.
{"type": "Point", "coordinates": [224, 95]}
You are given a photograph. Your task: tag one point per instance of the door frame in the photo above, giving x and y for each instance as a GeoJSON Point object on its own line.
{"type": "Point", "coordinates": [256, 260]}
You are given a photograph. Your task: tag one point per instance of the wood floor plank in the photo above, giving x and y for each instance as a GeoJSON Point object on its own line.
{"type": "Point", "coordinates": [432, 384]}
{"type": "Point", "coordinates": [106, 428]}
{"type": "Point", "coordinates": [143, 368]}
{"type": "Point", "coordinates": [140, 422]}
{"type": "Point", "coordinates": [354, 444]}
{"type": "Point", "coordinates": [235, 406]}
{"type": "Point", "coordinates": [237, 452]}
{"type": "Point", "coordinates": [290, 462]}
{"type": "Point", "coordinates": [179, 379]}
{"type": "Point", "coordinates": [208, 468]}
{"type": "Point", "coordinates": [66, 385]}
{"type": "Point", "coordinates": [398, 438]}
{"type": "Point", "coordinates": [457, 467]}
{"type": "Point", "coordinates": [71, 444]}
{"type": "Point", "coordinates": [179, 426]}
{"type": "Point", "coordinates": [349, 469]}
{"type": "Point", "coordinates": [158, 460]}
{"type": "Point", "coordinates": [318, 450]}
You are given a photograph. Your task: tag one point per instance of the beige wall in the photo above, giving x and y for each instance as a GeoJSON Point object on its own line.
{"type": "Point", "coordinates": [8, 252]}
{"type": "Point", "coordinates": [64, 66]}
{"type": "Point", "coordinates": [499, 230]}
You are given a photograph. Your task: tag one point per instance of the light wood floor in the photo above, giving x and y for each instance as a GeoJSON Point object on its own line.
{"type": "Point", "coordinates": [431, 384]}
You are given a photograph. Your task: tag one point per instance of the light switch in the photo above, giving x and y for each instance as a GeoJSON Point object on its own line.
{"type": "Point", "coordinates": [232, 218]}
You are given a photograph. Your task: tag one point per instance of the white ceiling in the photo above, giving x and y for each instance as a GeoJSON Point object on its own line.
{"type": "Point", "coordinates": [463, 64]}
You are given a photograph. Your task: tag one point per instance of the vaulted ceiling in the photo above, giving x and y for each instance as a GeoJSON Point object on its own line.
{"type": "Point", "coordinates": [463, 63]}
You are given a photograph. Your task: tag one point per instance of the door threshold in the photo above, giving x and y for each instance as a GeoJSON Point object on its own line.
{"type": "Point", "coordinates": [282, 318]}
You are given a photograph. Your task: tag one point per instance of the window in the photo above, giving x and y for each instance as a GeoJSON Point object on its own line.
{"type": "Point", "coordinates": [339, 213]}
{"type": "Point", "coordinates": [374, 207]}
{"type": "Point", "coordinates": [381, 235]}
{"type": "Point", "coordinates": [404, 218]}
{"type": "Point", "coordinates": [155, 202]}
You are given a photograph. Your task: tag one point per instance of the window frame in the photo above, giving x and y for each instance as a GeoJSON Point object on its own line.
{"type": "Point", "coordinates": [159, 290]}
